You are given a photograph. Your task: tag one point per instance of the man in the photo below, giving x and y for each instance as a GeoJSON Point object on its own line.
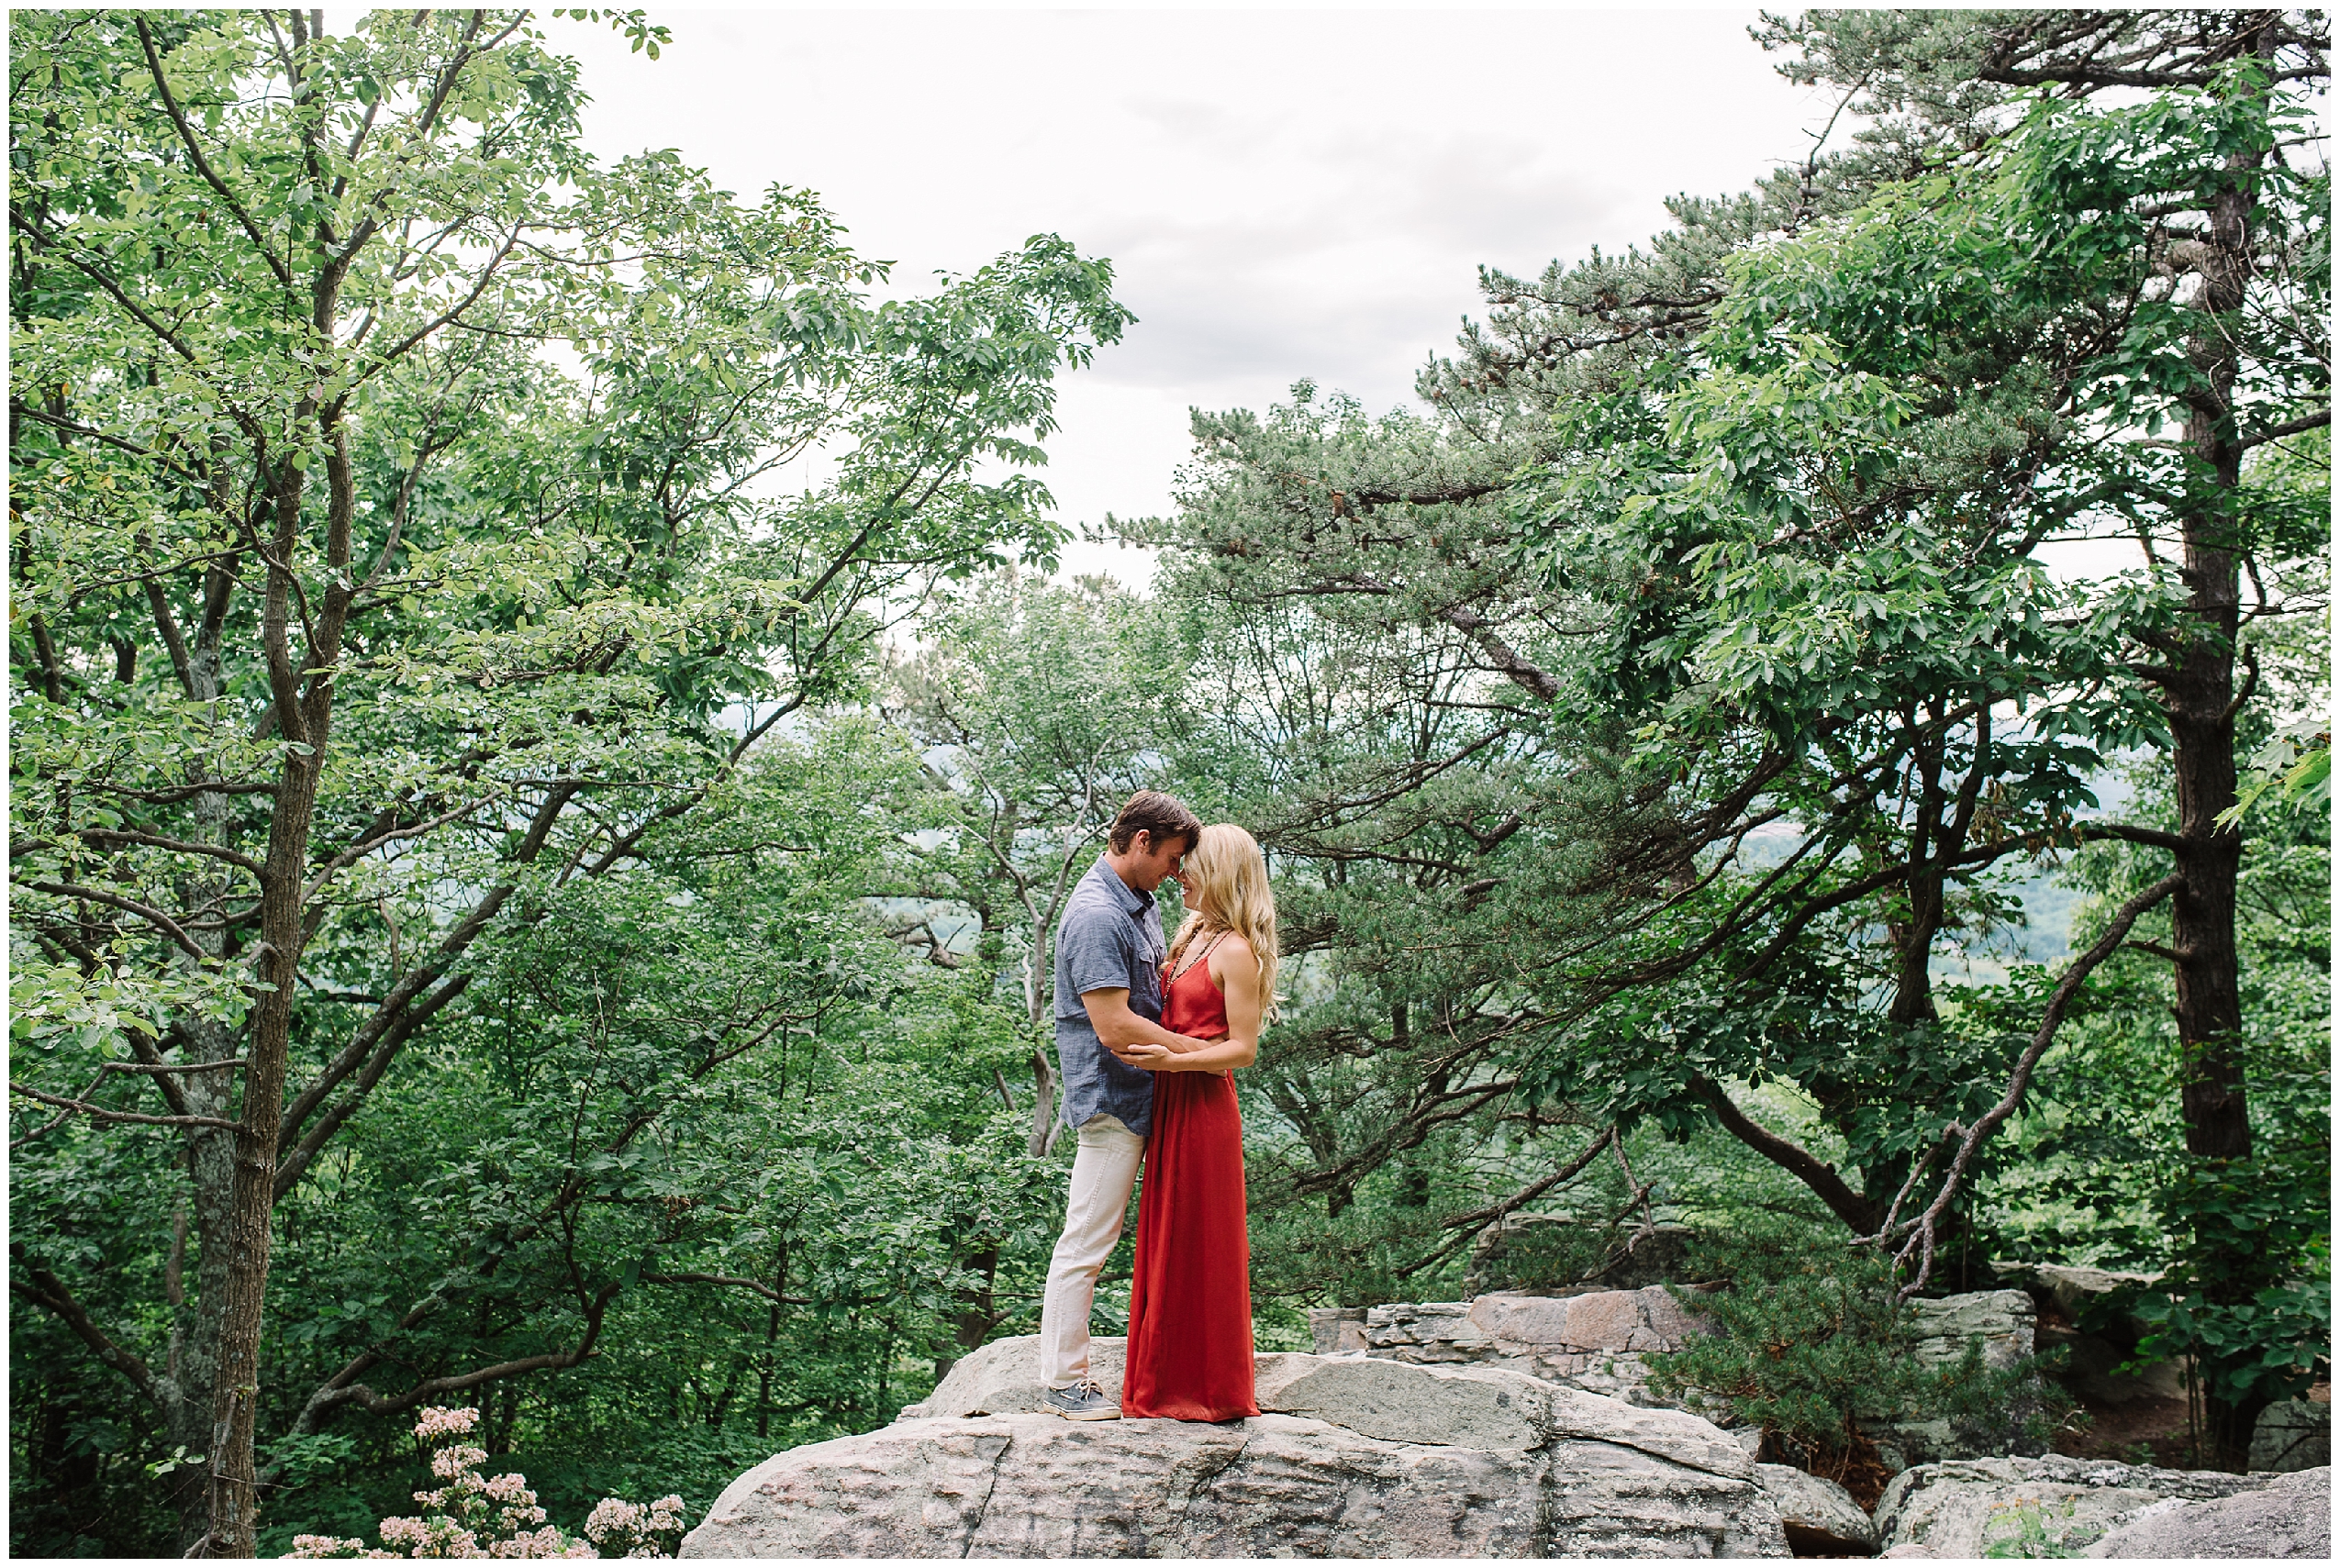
{"type": "Point", "coordinates": [1109, 949]}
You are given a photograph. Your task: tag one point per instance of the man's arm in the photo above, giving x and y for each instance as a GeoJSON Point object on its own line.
{"type": "Point", "coordinates": [1118, 1026]}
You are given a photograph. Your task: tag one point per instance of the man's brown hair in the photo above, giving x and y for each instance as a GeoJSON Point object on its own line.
{"type": "Point", "coordinates": [1165, 817]}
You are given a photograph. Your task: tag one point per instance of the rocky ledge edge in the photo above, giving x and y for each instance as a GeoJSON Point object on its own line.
{"type": "Point", "coordinates": [2054, 1506]}
{"type": "Point", "coordinates": [1350, 1457]}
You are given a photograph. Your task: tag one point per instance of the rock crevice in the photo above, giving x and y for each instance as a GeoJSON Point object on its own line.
{"type": "Point", "coordinates": [983, 1508]}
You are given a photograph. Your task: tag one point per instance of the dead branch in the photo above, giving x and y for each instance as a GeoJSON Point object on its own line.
{"type": "Point", "coordinates": [1921, 1235]}
{"type": "Point", "coordinates": [101, 1113]}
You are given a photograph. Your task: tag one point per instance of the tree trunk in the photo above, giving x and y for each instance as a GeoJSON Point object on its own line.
{"type": "Point", "coordinates": [2198, 696]}
{"type": "Point", "coordinates": [1045, 1128]}
{"type": "Point", "coordinates": [771, 1345]}
{"type": "Point", "coordinates": [1039, 979]}
{"type": "Point", "coordinates": [248, 1225]}
{"type": "Point", "coordinates": [304, 725]}
{"type": "Point", "coordinates": [235, 1481]}
{"type": "Point", "coordinates": [192, 1376]}
{"type": "Point", "coordinates": [976, 1315]}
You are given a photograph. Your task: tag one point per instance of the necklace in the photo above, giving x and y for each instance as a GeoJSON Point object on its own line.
{"type": "Point", "coordinates": [1198, 958]}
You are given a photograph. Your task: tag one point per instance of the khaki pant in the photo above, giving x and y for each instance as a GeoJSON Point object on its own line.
{"type": "Point", "coordinates": [1104, 1171]}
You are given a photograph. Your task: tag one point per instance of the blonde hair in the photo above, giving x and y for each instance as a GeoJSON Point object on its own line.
{"type": "Point", "coordinates": [1228, 876]}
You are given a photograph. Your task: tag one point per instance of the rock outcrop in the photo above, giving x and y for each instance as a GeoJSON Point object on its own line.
{"type": "Point", "coordinates": [1602, 1341]}
{"type": "Point", "coordinates": [1597, 1342]}
{"type": "Point", "coordinates": [2098, 1345]}
{"type": "Point", "coordinates": [2003, 1322]}
{"type": "Point", "coordinates": [2293, 1435]}
{"type": "Point", "coordinates": [2290, 1517]}
{"type": "Point", "coordinates": [1821, 1518]}
{"type": "Point", "coordinates": [1352, 1457]}
{"type": "Point", "coordinates": [2073, 1290]}
{"type": "Point", "coordinates": [2047, 1507]}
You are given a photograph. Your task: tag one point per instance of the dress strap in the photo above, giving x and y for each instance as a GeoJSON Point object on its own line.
{"type": "Point", "coordinates": [1198, 958]}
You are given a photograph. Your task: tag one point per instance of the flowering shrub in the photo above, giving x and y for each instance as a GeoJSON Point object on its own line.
{"type": "Point", "coordinates": [616, 1524]}
{"type": "Point", "coordinates": [498, 1515]}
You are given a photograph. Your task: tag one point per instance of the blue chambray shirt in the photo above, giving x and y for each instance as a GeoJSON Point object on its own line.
{"type": "Point", "coordinates": [1108, 937]}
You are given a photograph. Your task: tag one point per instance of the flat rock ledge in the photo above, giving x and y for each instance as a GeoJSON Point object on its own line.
{"type": "Point", "coordinates": [1350, 1458]}
{"type": "Point", "coordinates": [2290, 1517]}
{"type": "Point", "coordinates": [2050, 1507]}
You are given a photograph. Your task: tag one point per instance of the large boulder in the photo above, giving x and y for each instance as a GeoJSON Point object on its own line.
{"type": "Point", "coordinates": [2293, 1435]}
{"type": "Point", "coordinates": [1002, 1378]}
{"type": "Point", "coordinates": [2003, 1322]}
{"type": "Point", "coordinates": [1350, 1457]}
{"type": "Point", "coordinates": [2047, 1507]}
{"type": "Point", "coordinates": [2100, 1347]}
{"type": "Point", "coordinates": [1598, 1341]}
{"type": "Point", "coordinates": [2074, 1291]}
{"type": "Point", "coordinates": [1602, 1341]}
{"type": "Point", "coordinates": [2290, 1517]}
{"type": "Point", "coordinates": [1337, 1329]}
{"type": "Point", "coordinates": [1821, 1518]}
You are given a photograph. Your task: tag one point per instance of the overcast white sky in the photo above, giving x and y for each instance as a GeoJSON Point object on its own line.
{"type": "Point", "coordinates": [1282, 193]}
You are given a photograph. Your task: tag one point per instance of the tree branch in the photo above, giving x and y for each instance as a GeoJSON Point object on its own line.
{"type": "Point", "coordinates": [377, 1041]}
{"type": "Point", "coordinates": [203, 164]}
{"type": "Point", "coordinates": [146, 912]}
{"type": "Point", "coordinates": [392, 1041]}
{"type": "Point", "coordinates": [1806, 1167]}
{"type": "Point", "coordinates": [1494, 1212]}
{"type": "Point", "coordinates": [101, 1113]}
{"type": "Point", "coordinates": [762, 1290]}
{"type": "Point", "coordinates": [176, 846]}
{"type": "Point", "coordinates": [2316, 421]}
{"type": "Point", "coordinates": [358, 1394]}
{"type": "Point", "coordinates": [49, 1291]}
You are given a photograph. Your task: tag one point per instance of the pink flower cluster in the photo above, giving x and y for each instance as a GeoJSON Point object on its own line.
{"type": "Point", "coordinates": [449, 1463]}
{"type": "Point", "coordinates": [438, 1421]}
{"type": "Point", "coordinates": [631, 1529]}
{"type": "Point", "coordinates": [333, 1546]}
{"type": "Point", "coordinates": [490, 1515]}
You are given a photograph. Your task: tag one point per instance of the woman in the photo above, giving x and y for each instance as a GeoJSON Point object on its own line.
{"type": "Point", "coordinates": [1190, 1301]}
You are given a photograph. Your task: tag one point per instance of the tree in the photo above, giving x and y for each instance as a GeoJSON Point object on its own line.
{"type": "Point", "coordinates": [352, 624]}
{"type": "Point", "coordinates": [2043, 299]}
{"type": "Point", "coordinates": [2187, 216]}
{"type": "Point", "coordinates": [1369, 693]}
{"type": "Point", "coordinates": [1783, 509]}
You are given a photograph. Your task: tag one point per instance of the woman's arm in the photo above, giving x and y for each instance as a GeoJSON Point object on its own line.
{"type": "Point", "coordinates": [1237, 974]}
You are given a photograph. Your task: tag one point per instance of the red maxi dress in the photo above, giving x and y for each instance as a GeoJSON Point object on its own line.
{"type": "Point", "coordinates": [1190, 1300]}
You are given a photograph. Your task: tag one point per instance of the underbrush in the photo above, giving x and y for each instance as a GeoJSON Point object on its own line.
{"type": "Point", "coordinates": [1807, 1345]}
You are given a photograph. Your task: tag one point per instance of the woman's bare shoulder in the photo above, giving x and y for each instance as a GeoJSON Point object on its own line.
{"type": "Point", "coordinates": [1232, 945]}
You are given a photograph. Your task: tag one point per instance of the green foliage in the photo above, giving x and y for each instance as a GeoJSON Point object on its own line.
{"type": "Point", "coordinates": [1038, 710]}
{"type": "Point", "coordinates": [2027, 1530]}
{"type": "Point", "coordinates": [1805, 1340]}
{"type": "Point", "coordinates": [393, 518]}
{"type": "Point", "coordinates": [2296, 762]}
{"type": "Point", "coordinates": [1651, 737]}
{"type": "Point", "coordinates": [1808, 1343]}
